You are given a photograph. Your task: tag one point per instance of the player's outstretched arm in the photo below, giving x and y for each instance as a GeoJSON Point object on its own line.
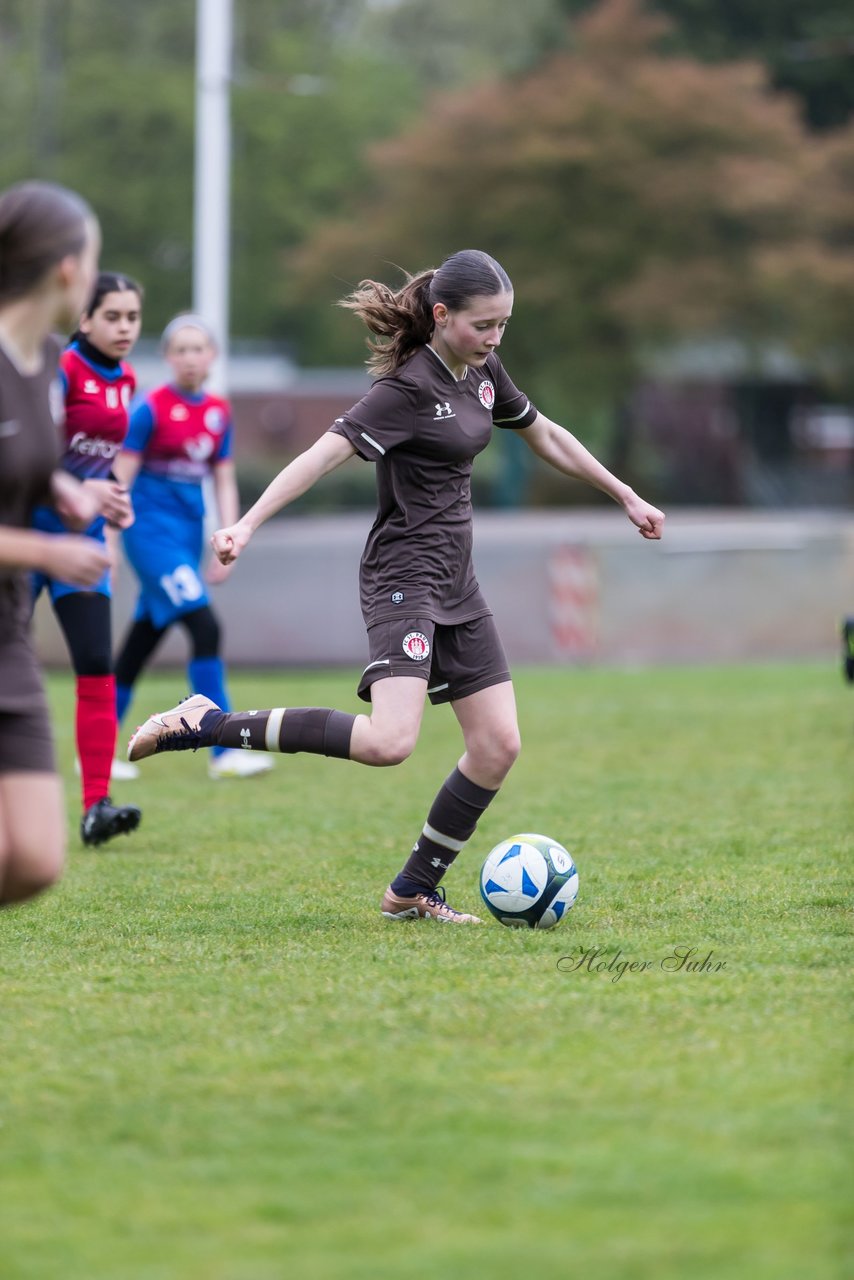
{"type": "Point", "coordinates": [561, 450]}
{"type": "Point", "coordinates": [292, 482]}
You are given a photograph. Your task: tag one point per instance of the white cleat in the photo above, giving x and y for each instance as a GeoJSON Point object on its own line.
{"type": "Point", "coordinates": [424, 906]}
{"type": "Point", "coordinates": [174, 730]}
{"type": "Point", "coordinates": [123, 771]}
{"type": "Point", "coordinates": [241, 763]}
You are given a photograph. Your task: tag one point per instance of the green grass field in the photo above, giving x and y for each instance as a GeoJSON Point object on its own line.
{"type": "Point", "coordinates": [218, 1062]}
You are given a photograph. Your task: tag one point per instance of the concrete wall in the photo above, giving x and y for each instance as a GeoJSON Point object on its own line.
{"type": "Point", "coordinates": [565, 587]}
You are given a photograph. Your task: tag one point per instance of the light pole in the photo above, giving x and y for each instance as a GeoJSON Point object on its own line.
{"type": "Point", "coordinates": [212, 179]}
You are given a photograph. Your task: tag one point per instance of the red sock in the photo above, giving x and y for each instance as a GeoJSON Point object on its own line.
{"type": "Point", "coordinates": [97, 727]}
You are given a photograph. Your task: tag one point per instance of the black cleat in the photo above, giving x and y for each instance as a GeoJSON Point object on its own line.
{"type": "Point", "coordinates": [103, 821]}
{"type": "Point", "coordinates": [848, 649]}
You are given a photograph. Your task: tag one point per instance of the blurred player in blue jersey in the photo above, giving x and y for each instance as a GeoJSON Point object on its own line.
{"type": "Point", "coordinates": [179, 435]}
{"type": "Point", "coordinates": [97, 385]}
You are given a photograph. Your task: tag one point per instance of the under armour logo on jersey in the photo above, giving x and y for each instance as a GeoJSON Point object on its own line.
{"type": "Point", "coordinates": [444, 411]}
{"type": "Point", "coordinates": [245, 736]}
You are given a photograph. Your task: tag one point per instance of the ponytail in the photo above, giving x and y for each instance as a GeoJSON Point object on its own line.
{"type": "Point", "coordinates": [403, 319]}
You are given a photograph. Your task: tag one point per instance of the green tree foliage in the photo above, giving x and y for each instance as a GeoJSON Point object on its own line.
{"type": "Point", "coordinates": [303, 116]}
{"type": "Point", "coordinates": [634, 197]}
{"type": "Point", "coordinates": [100, 96]}
{"type": "Point", "coordinates": [103, 102]}
{"type": "Point", "coordinates": [449, 44]}
{"type": "Point", "coordinates": [807, 48]}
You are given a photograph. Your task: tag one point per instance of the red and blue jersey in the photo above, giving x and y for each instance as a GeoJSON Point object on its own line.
{"type": "Point", "coordinates": [96, 412]}
{"type": "Point", "coordinates": [181, 436]}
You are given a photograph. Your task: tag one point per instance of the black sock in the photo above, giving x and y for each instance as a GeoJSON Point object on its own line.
{"type": "Point", "coordinates": [451, 821]}
{"type": "Point", "coordinates": [317, 730]}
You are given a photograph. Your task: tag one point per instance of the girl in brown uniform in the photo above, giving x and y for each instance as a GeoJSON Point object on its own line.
{"type": "Point", "coordinates": [49, 245]}
{"type": "Point", "coordinates": [440, 391]}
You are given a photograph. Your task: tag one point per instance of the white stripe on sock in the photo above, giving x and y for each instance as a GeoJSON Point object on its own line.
{"type": "Point", "coordinates": [274, 724]}
{"type": "Point", "coordinates": [438, 838]}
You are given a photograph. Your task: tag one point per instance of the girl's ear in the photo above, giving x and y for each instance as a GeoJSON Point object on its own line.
{"type": "Point", "coordinates": [440, 313]}
{"type": "Point", "coordinates": [66, 270]}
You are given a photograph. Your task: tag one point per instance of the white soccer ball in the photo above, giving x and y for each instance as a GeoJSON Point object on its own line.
{"type": "Point", "coordinates": [529, 881]}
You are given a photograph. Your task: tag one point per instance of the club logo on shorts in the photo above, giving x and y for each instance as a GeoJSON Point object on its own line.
{"type": "Point", "coordinates": [486, 394]}
{"type": "Point", "coordinates": [416, 646]}
{"type": "Point", "coordinates": [397, 597]}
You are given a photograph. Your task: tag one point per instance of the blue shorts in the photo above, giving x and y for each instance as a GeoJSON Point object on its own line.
{"type": "Point", "coordinates": [166, 558]}
{"type": "Point", "coordinates": [47, 521]}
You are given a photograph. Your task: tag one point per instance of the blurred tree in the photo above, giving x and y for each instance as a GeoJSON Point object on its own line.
{"type": "Point", "coordinates": [807, 48]}
{"type": "Point", "coordinates": [634, 198]}
{"type": "Point", "coordinates": [809, 284]}
{"type": "Point", "coordinates": [100, 95]}
{"type": "Point", "coordinates": [447, 43]}
{"type": "Point", "coordinates": [303, 117]}
{"type": "Point", "coordinates": [97, 96]}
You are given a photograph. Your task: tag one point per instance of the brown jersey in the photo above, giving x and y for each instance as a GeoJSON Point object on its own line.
{"type": "Point", "coordinates": [28, 455]}
{"type": "Point", "coordinates": [423, 428]}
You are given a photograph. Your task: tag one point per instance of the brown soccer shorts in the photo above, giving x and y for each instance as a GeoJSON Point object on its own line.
{"type": "Point", "coordinates": [456, 659]}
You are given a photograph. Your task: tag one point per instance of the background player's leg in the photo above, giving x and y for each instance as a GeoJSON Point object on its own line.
{"type": "Point", "coordinates": [491, 735]}
{"type": "Point", "coordinates": [85, 620]}
{"type": "Point", "coordinates": [206, 673]}
{"type": "Point", "coordinates": [139, 644]}
{"type": "Point", "coordinates": [84, 617]}
{"type": "Point", "coordinates": [848, 649]}
{"type": "Point", "coordinates": [205, 669]}
{"type": "Point", "coordinates": [32, 834]}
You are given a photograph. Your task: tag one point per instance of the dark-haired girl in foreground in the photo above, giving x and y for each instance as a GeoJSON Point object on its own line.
{"type": "Point", "coordinates": [440, 391]}
{"type": "Point", "coordinates": [49, 245]}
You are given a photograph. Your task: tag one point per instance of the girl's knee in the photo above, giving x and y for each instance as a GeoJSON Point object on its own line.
{"type": "Point", "coordinates": [24, 874]}
{"type": "Point", "coordinates": [512, 746]}
{"type": "Point", "coordinates": [393, 746]}
{"type": "Point", "coordinates": [497, 754]}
